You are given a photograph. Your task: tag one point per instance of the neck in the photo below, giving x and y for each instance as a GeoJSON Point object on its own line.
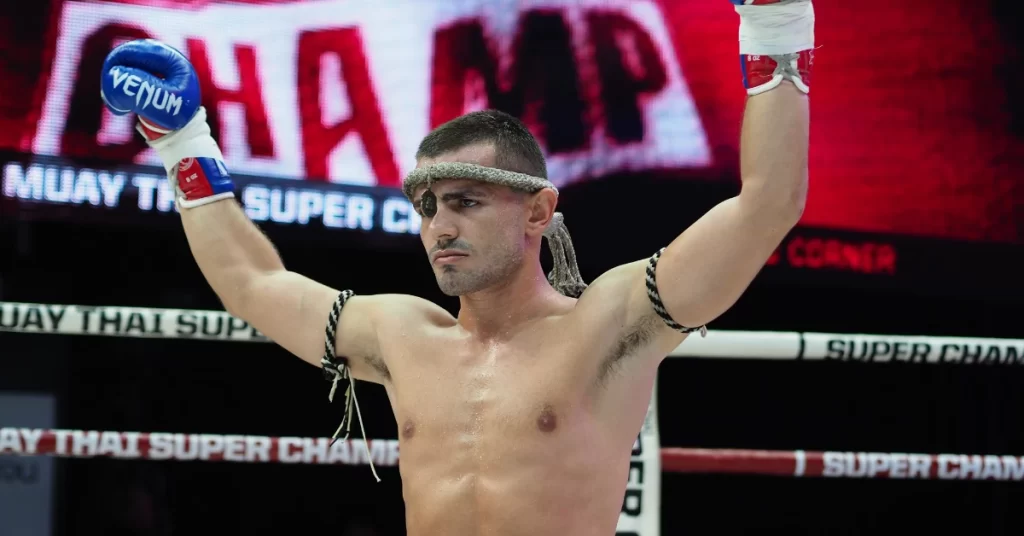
{"type": "Point", "coordinates": [499, 310]}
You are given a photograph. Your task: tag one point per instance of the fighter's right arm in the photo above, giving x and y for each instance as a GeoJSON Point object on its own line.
{"type": "Point", "coordinates": [245, 271]}
{"type": "Point", "coordinates": [158, 83]}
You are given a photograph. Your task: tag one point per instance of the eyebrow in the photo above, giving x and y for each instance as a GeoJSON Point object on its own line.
{"type": "Point", "coordinates": [463, 192]}
{"type": "Point", "coordinates": [453, 195]}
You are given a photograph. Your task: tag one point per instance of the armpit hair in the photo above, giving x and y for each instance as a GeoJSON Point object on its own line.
{"type": "Point", "coordinates": [377, 364]}
{"type": "Point", "coordinates": [633, 339]}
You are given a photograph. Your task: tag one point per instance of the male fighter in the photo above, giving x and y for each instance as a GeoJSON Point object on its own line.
{"type": "Point", "coordinates": [517, 416]}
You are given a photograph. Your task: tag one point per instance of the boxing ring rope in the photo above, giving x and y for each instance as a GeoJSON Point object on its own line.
{"type": "Point", "coordinates": [144, 322]}
{"type": "Point", "coordinates": [319, 451]}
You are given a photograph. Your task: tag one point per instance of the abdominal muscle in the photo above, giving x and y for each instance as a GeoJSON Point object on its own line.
{"type": "Point", "coordinates": [495, 484]}
{"type": "Point", "coordinates": [513, 439]}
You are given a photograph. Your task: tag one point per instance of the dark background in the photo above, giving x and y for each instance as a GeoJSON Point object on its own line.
{"type": "Point", "coordinates": [187, 386]}
{"type": "Point", "coordinates": [944, 287]}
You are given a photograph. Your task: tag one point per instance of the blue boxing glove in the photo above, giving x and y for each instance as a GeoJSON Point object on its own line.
{"type": "Point", "coordinates": [153, 80]}
{"type": "Point", "coordinates": [158, 83]}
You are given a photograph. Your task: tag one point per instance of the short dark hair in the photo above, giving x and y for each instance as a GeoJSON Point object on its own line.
{"type": "Point", "coordinates": [515, 147]}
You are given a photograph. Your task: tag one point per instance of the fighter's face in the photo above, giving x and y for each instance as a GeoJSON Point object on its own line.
{"type": "Point", "coordinates": [475, 239]}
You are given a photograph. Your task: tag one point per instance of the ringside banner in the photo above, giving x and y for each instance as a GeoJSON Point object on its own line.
{"type": "Point", "coordinates": [145, 189]}
{"type": "Point", "coordinates": [342, 91]}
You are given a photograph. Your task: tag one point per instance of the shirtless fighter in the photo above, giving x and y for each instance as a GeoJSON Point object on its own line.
{"type": "Point", "coordinates": [517, 416]}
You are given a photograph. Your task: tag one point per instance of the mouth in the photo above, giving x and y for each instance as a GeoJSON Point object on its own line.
{"type": "Point", "coordinates": [447, 256]}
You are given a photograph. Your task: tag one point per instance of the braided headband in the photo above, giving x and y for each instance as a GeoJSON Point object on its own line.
{"type": "Point", "coordinates": [460, 170]}
{"type": "Point", "coordinates": [565, 275]}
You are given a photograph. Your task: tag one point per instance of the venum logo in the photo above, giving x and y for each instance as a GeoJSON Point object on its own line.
{"type": "Point", "coordinates": [154, 95]}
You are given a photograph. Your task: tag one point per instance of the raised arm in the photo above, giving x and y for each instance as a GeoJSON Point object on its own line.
{"type": "Point", "coordinates": [705, 270]}
{"type": "Point", "coordinates": [158, 83]}
{"type": "Point", "coordinates": [708, 266]}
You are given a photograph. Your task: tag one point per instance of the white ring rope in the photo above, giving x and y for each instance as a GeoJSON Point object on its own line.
{"type": "Point", "coordinates": [146, 322]}
{"type": "Point", "coordinates": [385, 452]}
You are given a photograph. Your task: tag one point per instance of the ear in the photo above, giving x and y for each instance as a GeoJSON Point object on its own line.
{"type": "Point", "coordinates": [540, 207]}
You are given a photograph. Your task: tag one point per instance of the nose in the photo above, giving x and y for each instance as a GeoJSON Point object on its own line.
{"type": "Point", "coordinates": [442, 225]}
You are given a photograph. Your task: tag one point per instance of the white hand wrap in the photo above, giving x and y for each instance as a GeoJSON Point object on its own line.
{"type": "Point", "coordinates": [191, 141]}
{"type": "Point", "coordinates": [773, 30]}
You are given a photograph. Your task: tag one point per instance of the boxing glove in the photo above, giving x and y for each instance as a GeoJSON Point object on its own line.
{"type": "Point", "coordinates": [153, 80]}
{"type": "Point", "coordinates": [160, 86]}
{"type": "Point", "coordinates": [776, 43]}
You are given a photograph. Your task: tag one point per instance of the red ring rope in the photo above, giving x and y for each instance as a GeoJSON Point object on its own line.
{"type": "Point", "coordinates": [306, 450]}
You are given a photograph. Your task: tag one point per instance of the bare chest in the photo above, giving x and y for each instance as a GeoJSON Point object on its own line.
{"type": "Point", "coordinates": [471, 393]}
{"type": "Point", "coordinates": [507, 433]}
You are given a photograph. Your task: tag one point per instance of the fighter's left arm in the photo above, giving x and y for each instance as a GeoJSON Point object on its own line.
{"type": "Point", "coordinates": [703, 272]}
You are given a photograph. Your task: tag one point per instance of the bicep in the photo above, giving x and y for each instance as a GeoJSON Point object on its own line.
{"type": "Point", "coordinates": [705, 270]}
{"type": "Point", "coordinates": [292, 310]}
{"type": "Point", "coordinates": [700, 275]}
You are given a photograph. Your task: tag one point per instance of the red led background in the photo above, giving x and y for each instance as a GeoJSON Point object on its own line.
{"type": "Point", "coordinates": [911, 109]}
{"type": "Point", "coordinates": [910, 114]}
